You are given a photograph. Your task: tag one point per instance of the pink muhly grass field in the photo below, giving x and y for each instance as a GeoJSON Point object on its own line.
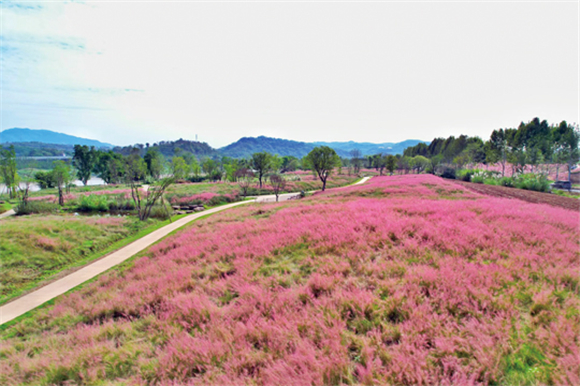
{"type": "Point", "coordinates": [403, 280]}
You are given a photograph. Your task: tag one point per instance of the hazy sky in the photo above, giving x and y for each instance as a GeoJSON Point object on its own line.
{"type": "Point", "coordinates": [127, 72]}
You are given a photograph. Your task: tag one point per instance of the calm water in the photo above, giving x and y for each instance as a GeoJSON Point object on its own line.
{"type": "Point", "coordinates": [36, 188]}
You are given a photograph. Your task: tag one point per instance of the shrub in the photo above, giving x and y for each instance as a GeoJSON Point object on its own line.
{"type": "Point", "coordinates": [448, 173]}
{"type": "Point", "coordinates": [490, 181]}
{"type": "Point", "coordinates": [223, 199]}
{"type": "Point", "coordinates": [31, 207]}
{"type": "Point", "coordinates": [478, 178]}
{"type": "Point", "coordinates": [507, 181]}
{"type": "Point", "coordinates": [467, 174]}
{"type": "Point", "coordinates": [198, 178]}
{"type": "Point", "coordinates": [159, 212]}
{"type": "Point", "coordinates": [121, 203]}
{"type": "Point", "coordinates": [531, 181]}
{"type": "Point", "coordinates": [93, 203]}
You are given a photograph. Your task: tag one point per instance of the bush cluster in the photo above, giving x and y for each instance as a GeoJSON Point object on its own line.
{"type": "Point", "coordinates": [31, 207]}
{"type": "Point", "coordinates": [530, 181]}
{"type": "Point", "coordinates": [103, 203]}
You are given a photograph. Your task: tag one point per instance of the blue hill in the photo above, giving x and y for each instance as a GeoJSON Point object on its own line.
{"type": "Point", "coordinates": [47, 136]}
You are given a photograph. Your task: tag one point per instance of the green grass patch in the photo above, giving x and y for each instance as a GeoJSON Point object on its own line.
{"type": "Point", "coordinates": [36, 248]}
{"type": "Point", "coordinates": [527, 366]}
{"type": "Point", "coordinates": [5, 207]}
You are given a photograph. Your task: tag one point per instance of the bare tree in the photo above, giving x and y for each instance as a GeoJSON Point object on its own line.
{"type": "Point", "coordinates": [278, 184]}
{"type": "Point", "coordinates": [244, 177]}
{"type": "Point", "coordinates": [144, 201]}
{"type": "Point", "coordinates": [356, 160]}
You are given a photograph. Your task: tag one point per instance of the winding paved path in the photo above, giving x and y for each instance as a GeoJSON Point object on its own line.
{"type": "Point", "coordinates": [8, 213]}
{"type": "Point", "coordinates": [34, 299]}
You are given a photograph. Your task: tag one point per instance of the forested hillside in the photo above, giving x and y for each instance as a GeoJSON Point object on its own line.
{"type": "Point", "coordinates": [47, 136]}
{"type": "Point", "coordinates": [170, 148]}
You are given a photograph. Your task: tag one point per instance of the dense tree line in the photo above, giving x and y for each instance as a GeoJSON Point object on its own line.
{"type": "Point", "coordinates": [530, 145]}
{"type": "Point", "coordinates": [169, 148]}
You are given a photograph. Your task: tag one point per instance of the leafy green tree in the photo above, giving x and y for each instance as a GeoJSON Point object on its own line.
{"type": "Point", "coordinates": [180, 168]}
{"type": "Point", "coordinates": [391, 163]}
{"type": "Point", "coordinates": [262, 164]}
{"type": "Point", "coordinates": [569, 141]}
{"type": "Point", "coordinates": [379, 163]}
{"type": "Point", "coordinates": [195, 167]}
{"type": "Point", "coordinates": [434, 162]}
{"type": "Point", "coordinates": [230, 166]}
{"type": "Point", "coordinates": [404, 164]}
{"type": "Point", "coordinates": [289, 164]}
{"type": "Point", "coordinates": [154, 161]}
{"type": "Point", "coordinates": [109, 167]}
{"type": "Point", "coordinates": [116, 169]}
{"type": "Point", "coordinates": [61, 175]}
{"type": "Point", "coordinates": [462, 159]}
{"type": "Point", "coordinates": [135, 168]}
{"type": "Point", "coordinates": [559, 152]}
{"type": "Point", "coordinates": [322, 160]}
{"type": "Point", "coordinates": [44, 179]}
{"type": "Point", "coordinates": [419, 163]}
{"type": "Point", "coordinates": [8, 170]}
{"type": "Point", "coordinates": [84, 160]}
{"type": "Point", "coordinates": [211, 168]}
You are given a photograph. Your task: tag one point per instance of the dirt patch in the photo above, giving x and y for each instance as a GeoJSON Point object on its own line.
{"type": "Point", "coordinates": [524, 195]}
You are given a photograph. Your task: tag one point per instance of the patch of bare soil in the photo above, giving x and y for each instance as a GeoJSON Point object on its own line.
{"type": "Point", "coordinates": [524, 195]}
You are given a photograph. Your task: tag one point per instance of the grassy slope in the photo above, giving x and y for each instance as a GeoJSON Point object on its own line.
{"type": "Point", "coordinates": [38, 247]}
{"type": "Point", "coordinates": [407, 280]}
{"type": "Point", "coordinates": [34, 248]}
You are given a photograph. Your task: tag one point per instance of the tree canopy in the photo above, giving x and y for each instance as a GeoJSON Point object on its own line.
{"type": "Point", "coordinates": [322, 160]}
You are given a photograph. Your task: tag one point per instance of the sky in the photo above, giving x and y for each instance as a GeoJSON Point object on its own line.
{"type": "Point", "coordinates": [127, 72]}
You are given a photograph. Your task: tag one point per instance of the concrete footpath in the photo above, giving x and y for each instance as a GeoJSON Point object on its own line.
{"type": "Point", "coordinates": [8, 213]}
{"type": "Point", "coordinates": [34, 299]}
{"type": "Point", "coordinates": [28, 302]}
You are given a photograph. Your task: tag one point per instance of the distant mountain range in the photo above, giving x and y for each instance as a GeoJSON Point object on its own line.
{"type": "Point", "coordinates": [367, 148]}
{"type": "Point", "coordinates": [47, 136]}
{"type": "Point", "coordinates": [242, 148]}
{"type": "Point", "coordinates": [247, 146]}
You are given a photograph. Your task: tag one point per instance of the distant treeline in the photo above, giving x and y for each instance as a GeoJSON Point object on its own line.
{"type": "Point", "coordinates": [531, 144]}
{"type": "Point", "coordinates": [39, 149]}
{"type": "Point", "coordinates": [170, 148]}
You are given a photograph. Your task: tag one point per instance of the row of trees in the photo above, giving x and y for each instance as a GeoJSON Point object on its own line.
{"type": "Point", "coordinates": [531, 144]}
{"type": "Point", "coordinates": [110, 166]}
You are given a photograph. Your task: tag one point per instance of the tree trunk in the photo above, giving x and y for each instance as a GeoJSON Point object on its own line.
{"type": "Point", "coordinates": [557, 172]}
{"type": "Point", "coordinates": [323, 184]}
{"type": "Point", "coordinates": [60, 196]}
